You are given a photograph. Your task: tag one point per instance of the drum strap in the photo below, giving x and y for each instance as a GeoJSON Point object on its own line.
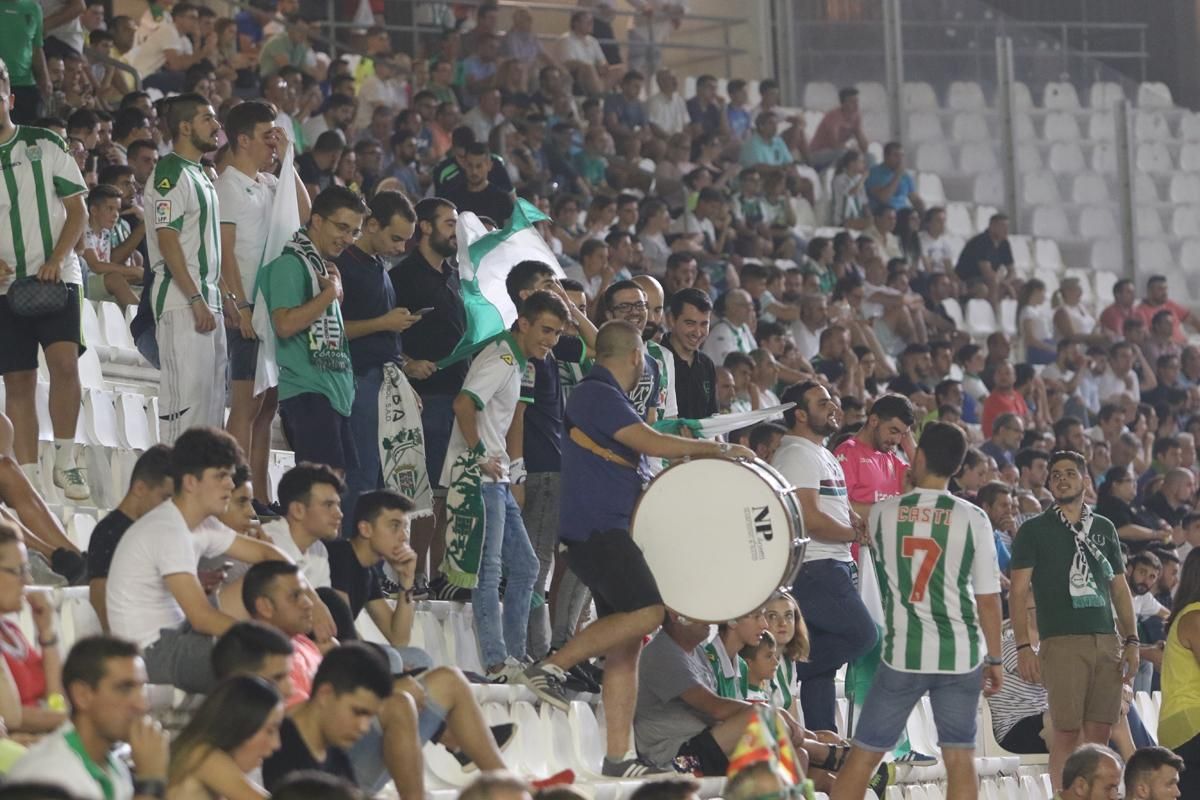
{"type": "Point", "coordinates": [587, 443]}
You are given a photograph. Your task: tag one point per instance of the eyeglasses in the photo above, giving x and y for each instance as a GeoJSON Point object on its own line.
{"type": "Point", "coordinates": [625, 308]}
{"type": "Point", "coordinates": [343, 228]}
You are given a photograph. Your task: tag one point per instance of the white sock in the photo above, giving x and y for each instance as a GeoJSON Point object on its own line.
{"type": "Point", "coordinates": [64, 453]}
{"type": "Point", "coordinates": [34, 473]}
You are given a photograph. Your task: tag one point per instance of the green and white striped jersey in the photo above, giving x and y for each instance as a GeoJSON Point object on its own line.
{"type": "Point", "coordinates": [933, 553]}
{"type": "Point", "coordinates": [37, 173]}
{"type": "Point", "coordinates": [181, 197]}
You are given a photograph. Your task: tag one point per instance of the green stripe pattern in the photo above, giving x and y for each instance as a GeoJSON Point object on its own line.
{"type": "Point", "coordinates": [14, 208]}
{"type": "Point", "coordinates": [940, 533]}
{"type": "Point", "coordinates": [43, 207]}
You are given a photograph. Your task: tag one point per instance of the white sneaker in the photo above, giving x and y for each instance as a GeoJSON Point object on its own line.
{"type": "Point", "coordinates": [73, 482]}
{"type": "Point", "coordinates": [512, 671]}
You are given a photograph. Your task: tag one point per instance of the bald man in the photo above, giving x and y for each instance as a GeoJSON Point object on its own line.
{"type": "Point", "coordinates": [732, 331]}
{"type": "Point", "coordinates": [604, 467]}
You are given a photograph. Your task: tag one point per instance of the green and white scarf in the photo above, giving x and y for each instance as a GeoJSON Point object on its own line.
{"type": "Point", "coordinates": [327, 333]}
{"type": "Point", "coordinates": [1085, 592]}
{"type": "Point", "coordinates": [465, 519]}
{"type": "Point", "coordinates": [402, 441]}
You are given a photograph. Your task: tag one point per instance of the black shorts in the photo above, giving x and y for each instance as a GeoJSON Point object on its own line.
{"type": "Point", "coordinates": [612, 567]}
{"type": "Point", "coordinates": [21, 336]}
{"type": "Point", "coordinates": [704, 754]}
{"type": "Point", "coordinates": [317, 432]}
{"type": "Point", "coordinates": [243, 355]}
{"type": "Point", "coordinates": [1025, 738]}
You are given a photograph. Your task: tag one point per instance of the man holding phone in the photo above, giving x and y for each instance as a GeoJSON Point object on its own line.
{"type": "Point", "coordinates": [373, 326]}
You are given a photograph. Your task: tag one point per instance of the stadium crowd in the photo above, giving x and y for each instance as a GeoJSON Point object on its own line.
{"type": "Point", "coordinates": [696, 284]}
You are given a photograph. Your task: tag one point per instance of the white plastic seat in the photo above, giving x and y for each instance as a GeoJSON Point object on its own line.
{"type": "Point", "coordinates": [153, 422]}
{"type": "Point", "coordinates": [1039, 188]}
{"type": "Point", "coordinates": [930, 188]}
{"type": "Point", "coordinates": [1066, 158]}
{"type": "Point", "coordinates": [1089, 187]}
{"type": "Point", "coordinates": [586, 736]}
{"type": "Point", "coordinates": [1106, 255]}
{"type": "Point", "coordinates": [1102, 126]}
{"type": "Point", "coordinates": [1152, 94]}
{"type": "Point", "coordinates": [1022, 97]}
{"type": "Point", "coordinates": [1104, 158]}
{"type": "Point", "coordinates": [925, 126]}
{"type": "Point", "coordinates": [977, 157]}
{"type": "Point", "coordinates": [1145, 190]}
{"type": "Point", "coordinates": [1047, 255]}
{"type": "Point", "coordinates": [980, 318]}
{"type": "Point", "coordinates": [133, 427]}
{"type": "Point", "coordinates": [1051, 221]}
{"type": "Point", "coordinates": [90, 374]}
{"type": "Point", "coordinates": [954, 310]}
{"type": "Point", "coordinates": [1032, 788]}
{"type": "Point", "coordinates": [872, 96]}
{"type": "Point", "coordinates": [1049, 277]}
{"type": "Point", "coordinates": [1105, 94]}
{"type": "Point", "coordinates": [1061, 127]}
{"type": "Point", "coordinates": [958, 220]}
{"type": "Point", "coordinates": [1149, 223]}
{"type": "Point", "coordinates": [1021, 253]}
{"type": "Point", "coordinates": [460, 633]}
{"type": "Point", "coordinates": [79, 529]}
{"type": "Point", "coordinates": [934, 157]}
{"type": "Point", "coordinates": [820, 95]}
{"type": "Point", "coordinates": [983, 215]}
{"type": "Point", "coordinates": [1154, 256]}
{"type": "Point", "coordinates": [1154, 158]}
{"type": "Point", "coordinates": [1096, 222]}
{"type": "Point", "coordinates": [1189, 255]}
{"type": "Point", "coordinates": [1189, 126]}
{"type": "Point", "coordinates": [965, 96]}
{"type": "Point", "coordinates": [1189, 157]}
{"type": "Point", "coordinates": [1104, 280]}
{"type": "Point", "coordinates": [1023, 128]}
{"type": "Point", "coordinates": [988, 187]}
{"type": "Point", "coordinates": [1008, 315]}
{"type": "Point", "coordinates": [1060, 95]}
{"type": "Point", "coordinates": [970, 126]}
{"type": "Point", "coordinates": [1151, 126]}
{"type": "Point", "coordinates": [116, 333]}
{"type": "Point", "coordinates": [93, 334]}
{"type": "Point", "coordinates": [876, 125]}
{"type": "Point", "coordinates": [919, 96]}
{"type": "Point", "coordinates": [1029, 158]}
{"type": "Point", "coordinates": [1185, 221]}
{"type": "Point", "coordinates": [100, 418]}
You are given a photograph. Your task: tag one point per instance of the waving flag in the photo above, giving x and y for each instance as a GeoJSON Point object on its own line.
{"type": "Point", "coordinates": [484, 260]}
{"type": "Point", "coordinates": [709, 427]}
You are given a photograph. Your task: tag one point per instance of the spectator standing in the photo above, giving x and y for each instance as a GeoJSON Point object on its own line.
{"type": "Point", "coordinates": [689, 312]}
{"type": "Point", "coordinates": [1179, 718]}
{"type": "Point", "coordinates": [303, 290]}
{"type": "Point", "coordinates": [246, 191]}
{"type": "Point", "coordinates": [185, 251]}
{"type": "Point", "coordinates": [653, 24]}
{"type": "Point", "coordinates": [477, 193]}
{"type": "Point", "coordinates": [1071, 559]}
{"type": "Point", "coordinates": [104, 681]}
{"type": "Point", "coordinates": [40, 244]}
{"type": "Point", "coordinates": [890, 184]}
{"type": "Point", "coordinates": [838, 127]}
{"type": "Point", "coordinates": [24, 63]}
{"type": "Point", "coordinates": [828, 578]}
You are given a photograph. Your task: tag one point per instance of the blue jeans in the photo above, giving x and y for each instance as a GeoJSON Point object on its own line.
{"type": "Point", "coordinates": [953, 697]}
{"type": "Point", "coordinates": [364, 427]}
{"type": "Point", "coordinates": [506, 549]}
{"type": "Point", "coordinates": [839, 628]}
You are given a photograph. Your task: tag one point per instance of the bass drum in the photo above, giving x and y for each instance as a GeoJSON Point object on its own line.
{"type": "Point", "coordinates": [720, 536]}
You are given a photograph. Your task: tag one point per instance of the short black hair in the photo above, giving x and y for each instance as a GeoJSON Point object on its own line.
{"type": "Point", "coordinates": [388, 204]}
{"type": "Point", "coordinates": [542, 302]}
{"type": "Point", "coordinates": [182, 108]}
{"type": "Point", "coordinates": [1028, 456]}
{"type": "Point", "coordinates": [689, 297]}
{"type": "Point", "coordinates": [894, 406]}
{"type": "Point", "coordinates": [988, 493]}
{"type": "Point", "coordinates": [330, 141]}
{"type": "Point", "coordinates": [795, 394]}
{"type": "Point", "coordinates": [1147, 760]}
{"type": "Point", "coordinates": [370, 505]}
{"type": "Point", "coordinates": [333, 199]}
{"type": "Point", "coordinates": [1069, 455]}
{"type": "Point", "coordinates": [152, 466]}
{"type": "Point", "coordinates": [462, 137]}
{"type": "Point", "coordinates": [679, 787]}
{"type": "Point", "coordinates": [83, 118]}
{"type": "Point", "coordinates": [201, 448]}
{"type": "Point", "coordinates": [762, 433]}
{"type": "Point", "coordinates": [944, 446]}
{"type": "Point", "coordinates": [1063, 424]}
{"type": "Point", "coordinates": [243, 118]}
{"type": "Point", "coordinates": [310, 784]}
{"type": "Point", "coordinates": [113, 173]}
{"type": "Point", "coordinates": [1164, 444]}
{"type": "Point", "coordinates": [619, 286]}
{"type": "Point", "coordinates": [353, 666]}
{"type": "Point", "coordinates": [1146, 558]}
{"type": "Point", "coordinates": [258, 579]}
{"type": "Point", "coordinates": [87, 662]}
{"type": "Point", "coordinates": [846, 93]}
{"type": "Point", "coordinates": [101, 192]}
{"type": "Point", "coordinates": [524, 276]}
{"type": "Point", "coordinates": [128, 120]}
{"type": "Point", "coordinates": [140, 144]}
{"type": "Point", "coordinates": [478, 149]}
{"type": "Point", "coordinates": [296, 484]}
{"type": "Point", "coordinates": [242, 648]}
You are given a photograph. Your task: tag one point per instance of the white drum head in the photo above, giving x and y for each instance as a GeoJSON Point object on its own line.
{"type": "Point", "coordinates": [719, 536]}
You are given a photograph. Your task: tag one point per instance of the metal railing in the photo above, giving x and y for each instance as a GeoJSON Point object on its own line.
{"type": "Point", "coordinates": [119, 66]}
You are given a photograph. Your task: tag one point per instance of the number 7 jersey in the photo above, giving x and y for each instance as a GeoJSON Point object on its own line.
{"type": "Point", "coordinates": [933, 553]}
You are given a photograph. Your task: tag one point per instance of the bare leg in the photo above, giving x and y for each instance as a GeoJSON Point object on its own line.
{"type": "Point", "coordinates": [62, 360]}
{"type": "Point", "coordinates": [855, 774]}
{"type": "Point", "coordinates": [20, 403]}
{"type": "Point", "coordinates": [243, 407]}
{"type": "Point", "coordinates": [960, 773]}
{"type": "Point", "coordinates": [619, 694]}
{"type": "Point", "coordinates": [27, 536]}
{"type": "Point", "coordinates": [402, 746]}
{"type": "Point", "coordinates": [447, 687]}
{"type": "Point", "coordinates": [118, 287]}
{"type": "Point", "coordinates": [606, 634]}
{"type": "Point", "coordinates": [18, 493]}
{"type": "Point", "coordinates": [260, 444]}
{"type": "Point", "coordinates": [1062, 744]}
{"type": "Point", "coordinates": [422, 539]}
{"type": "Point", "coordinates": [437, 543]}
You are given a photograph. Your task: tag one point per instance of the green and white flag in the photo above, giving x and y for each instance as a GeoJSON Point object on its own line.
{"type": "Point", "coordinates": [484, 260]}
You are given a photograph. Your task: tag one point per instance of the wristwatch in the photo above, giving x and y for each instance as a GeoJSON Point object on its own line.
{"type": "Point", "coordinates": [992, 661]}
{"type": "Point", "coordinates": [149, 787]}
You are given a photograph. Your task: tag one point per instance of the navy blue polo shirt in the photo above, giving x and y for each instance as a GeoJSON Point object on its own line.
{"type": "Point", "coordinates": [541, 389]}
{"type": "Point", "coordinates": [368, 293]}
{"type": "Point", "coordinates": [598, 495]}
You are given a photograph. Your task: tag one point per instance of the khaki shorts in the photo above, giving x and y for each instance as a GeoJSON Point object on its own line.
{"type": "Point", "coordinates": [1082, 676]}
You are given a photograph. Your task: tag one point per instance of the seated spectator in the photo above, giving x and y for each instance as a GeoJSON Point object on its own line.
{"type": "Point", "coordinates": [1113, 317]}
{"type": "Point", "coordinates": [1032, 472]}
{"type": "Point", "coordinates": [1006, 430]}
{"type": "Point", "coordinates": [1121, 378]}
{"type": "Point", "coordinates": [1072, 320]}
{"type": "Point", "coordinates": [1004, 398]}
{"type": "Point", "coordinates": [1035, 324]}
{"type": "Point", "coordinates": [336, 114]}
{"type": "Point", "coordinates": [916, 368]}
{"type": "Point", "coordinates": [108, 275]}
{"type": "Point", "coordinates": [166, 45]}
{"type": "Point", "coordinates": [1136, 529]}
{"type": "Point", "coordinates": [624, 112]}
{"type": "Point", "coordinates": [987, 256]}
{"type": "Point", "coordinates": [1168, 579]}
{"type": "Point", "coordinates": [522, 44]}
{"type": "Point", "coordinates": [1160, 337]}
{"type": "Point", "coordinates": [765, 149]}
{"type": "Point", "coordinates": [486, 116]}
{"type": "Point", "coordinates": [30, 679]}
{"type": "Point", "coordinates": [837, 128]}
{"type": "Point", "coordinates": [289, 48]}
{"type": "Point", "coordinates": [707, 109]}
{"type": "Point", "coordinates": [890, 184]}
{"type": "Point", "coordinates": [154, 596]}
{"type": "Point", "coordinates": [1173, 500]}
{"type": "Point", "coordinates": [1153, 773]}
{"type": "Point", "coordinates": [850, 207]}
{"type": "Point", "coordinates": [103, 684]}
{"type": "Point", "coordinates": [583, 58]}
{"type": "Point", "coordinates": [150, 485]}
{"type": "Point", "coordinates": [227, 738]}
{"type": "Point", "coordinates": [316, 166]}
{"type": "Point", "coordinates": [1156, 300]}
{"type": "Point", "coordinates": [731, 332]}
{"type": "Point", "coordinates": [350, 686]}
{"type": "Point", "coordinates": [1166, 454]}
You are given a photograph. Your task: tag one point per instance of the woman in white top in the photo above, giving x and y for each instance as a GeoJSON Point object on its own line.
{"type": "Point", "coordinates": [1034, 328]}
{"type": "Point", "coordinates": [849, 193]}
{"type": "Point", "coordinates": [1071, 319]}
{"type": "Point", "coordinates": [231, 734]}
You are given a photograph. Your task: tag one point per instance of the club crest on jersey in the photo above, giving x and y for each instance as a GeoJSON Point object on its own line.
{"type": "Point", "coordinates": [34, 152]}
{"type": "Point", "coordinates": [162, 212]}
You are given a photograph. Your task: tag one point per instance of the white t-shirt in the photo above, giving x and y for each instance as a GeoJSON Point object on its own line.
{"type": "Point", "coordinates": [808, 342]}
{"type": "Point", "coordinates": [149, 55]}
{"type": "Point", "coordinates": [584, 49]}
{"type": "Point", "coordinates": [375, 91]}
{"type": "Point", "coordinates": [494, 383]}
{"type": "Point", "coordinates": [1109, 385]}
{"type": "Point", "coordinates": [313, 562]}
{"type": "Point", "coordinates": [668, 113]}
{"type": "Point", "coordinates": [313, 127]}
{"type": "Point", "coordinates": [52, 760]}
{"type": "Point", "coordinates": [158, 545]}
{"type": "Point", "coordinates": [725, 338]}
{"type": "Point", "coordinates": [1145, 606]}
{"type": "Point", "coordinates": [246, 204]}
{"type": "Point", "coordinates": [70, 33]}
{"type": "Point", "coordinates": [939, 251]}
{"type": "Point", "coordinates": [812, 466]}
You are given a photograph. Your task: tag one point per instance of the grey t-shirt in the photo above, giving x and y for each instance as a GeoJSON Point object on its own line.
{"type": "Point", "coordinates": [664, 721]}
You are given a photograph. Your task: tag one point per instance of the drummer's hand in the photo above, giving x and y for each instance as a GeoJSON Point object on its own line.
{"type": "Point", "coordinates": [740, 451]}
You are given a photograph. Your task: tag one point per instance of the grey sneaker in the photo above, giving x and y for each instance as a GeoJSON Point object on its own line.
{"type": "Point", "coordinates": [632, 768]}
{"type": "Point", "coordinates": [509, 672]}
{"type": "Point", "coordinates": [40, 573]}
{"type": "Point", "coordinates": [546, 681]}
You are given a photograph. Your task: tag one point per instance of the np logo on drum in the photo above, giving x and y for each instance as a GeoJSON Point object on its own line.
{"type": "Point", "coordinates": [760, 530]}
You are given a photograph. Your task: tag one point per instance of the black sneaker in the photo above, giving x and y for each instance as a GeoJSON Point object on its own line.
{"type": "Point", "coordinates": [264, 510]}
{"type": "Point", "coordinates": [546, 681]}
{"type": "Point", "coordinates": [504, 735]}
{"type": "Point", "coordinates": [579, 681]}
{"type": "Point", "coordinates": [442, 589]}
{"type": "Point", "coordinates": [593, 671]}
{"type": "Point", "coordinates": [420, 588]}
{"type": "Point", "coordinates": [884, 777]}
{"type": "Point", "coordinates": [632, 768]}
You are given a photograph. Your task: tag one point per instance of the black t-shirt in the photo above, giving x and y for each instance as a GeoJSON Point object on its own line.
{"type": "Point", "coordinates": [492, 202]}
{"type": "Point", "coordinates": [105, 538]}
{"type": "Point", "coordinates": [309, 172]}
{"type": "Point", "coordinates": [418, 285]}
{"type": "Point", "coordinates": [902, 384]}
{"type": "Point", "coordinates": [982, 248]}
{"type": "Point", "coordinates": [368, 293]}
{"type": "Point", "coordinates": [695, 385]}
{"type": "Point", "coordinates": [1116, 511]}
{"type": "Point", "coordinates": [293, 755]}
{"type": "Point", "coordinates": [1158, 505]}
{"type": "Point", "coordinates": [541, 389]}
{"type": "Point", "coordinates": [346, 574]}
{"type": "Point", "coordinates": [833, 369]}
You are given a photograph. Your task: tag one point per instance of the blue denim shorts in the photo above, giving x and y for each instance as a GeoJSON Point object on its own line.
{"type": "Point", "coordinates": [894, 694]}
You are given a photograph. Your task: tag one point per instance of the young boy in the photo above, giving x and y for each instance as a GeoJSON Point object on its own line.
{"type": "Point", "coordinates": [477, 472]}
{"type": "Point", "coordinates": [104, 213]}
